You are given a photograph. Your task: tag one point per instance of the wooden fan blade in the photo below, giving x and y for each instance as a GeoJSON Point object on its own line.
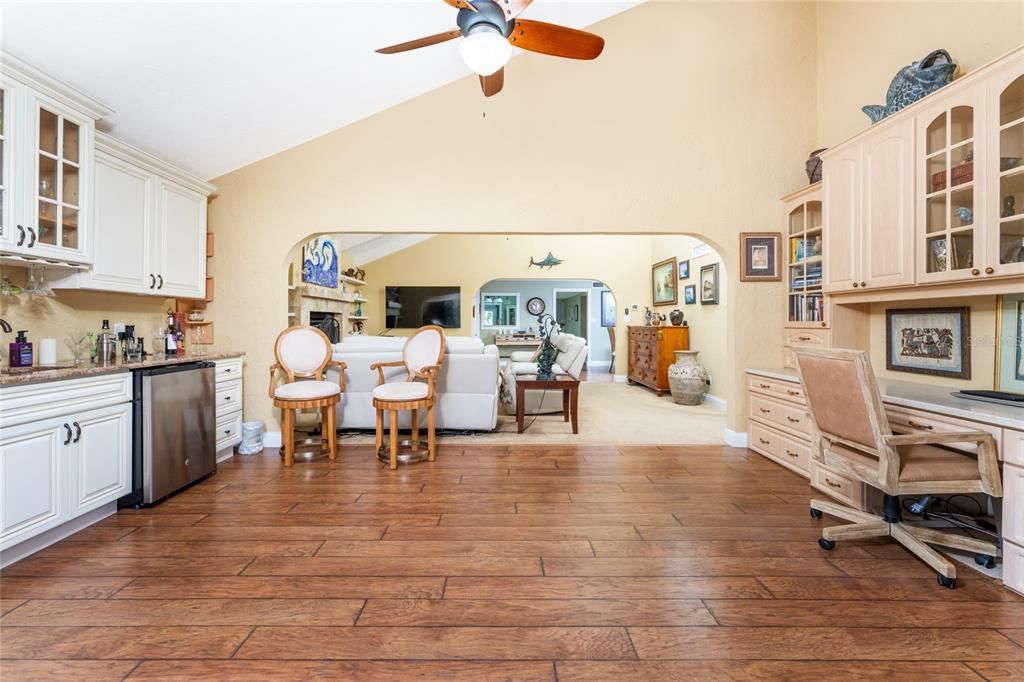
{"type": "Point", "coordinates": [558, 41]}
{"type": "Point", "coordinates": [512, 8]}
{"type": "Point", "coordinates": [492, 85]}
{"type": "Point", "coordinates": [421, 42]}
{"type": "Point", "coordinates": [461, 4]}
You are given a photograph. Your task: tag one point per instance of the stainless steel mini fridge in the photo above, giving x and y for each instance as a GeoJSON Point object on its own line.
{"type": "Point", "coordinates": [174, 433]}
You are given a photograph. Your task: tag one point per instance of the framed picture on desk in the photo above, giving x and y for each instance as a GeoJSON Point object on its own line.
{"type": "Point", "coordinates": [1010, 344]}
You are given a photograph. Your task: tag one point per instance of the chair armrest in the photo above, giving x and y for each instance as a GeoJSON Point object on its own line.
{"type": "Point", "coordinates": [273, 368]}
{"type": "Point", "coordinates": [431, 372]}
{"type": "Point", "coordinates": [379, 366]}
{"type": "Point", "coordinates": [341, 371]}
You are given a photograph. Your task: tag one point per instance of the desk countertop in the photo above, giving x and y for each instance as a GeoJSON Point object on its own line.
{"type": "Point", "coordinates": [927, 397]}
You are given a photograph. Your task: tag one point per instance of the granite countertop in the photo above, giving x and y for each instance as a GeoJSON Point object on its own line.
{"type": "Point", "coordinates": [927, 397]}
{"type": "Point", "coordinates": [35, 375]}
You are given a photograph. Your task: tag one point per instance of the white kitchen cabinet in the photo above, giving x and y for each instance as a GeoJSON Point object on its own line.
{"type": "Point", "coordinates": [228, 375]}
{"type": "Point", "coordinates": [48, 165]}
{"type": "Point", "coordinates": [180, 241]}
{"type": "Point", "coordinates": [33, 477]}
{"type": "Point", "coordinates": [100, 463]}
{"type": "Point", "coordinates": [150, 220]}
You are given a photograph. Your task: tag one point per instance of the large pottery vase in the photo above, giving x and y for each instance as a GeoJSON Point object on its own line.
{"type": "Point", "coordinates": [687, 378]}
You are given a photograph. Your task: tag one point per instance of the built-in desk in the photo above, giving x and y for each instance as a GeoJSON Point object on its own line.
{"type": "Point", "coordinates": [779, 428]}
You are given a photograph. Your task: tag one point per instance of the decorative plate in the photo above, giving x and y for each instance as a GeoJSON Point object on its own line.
{"type": "Point", "coordinates": [535, 306]}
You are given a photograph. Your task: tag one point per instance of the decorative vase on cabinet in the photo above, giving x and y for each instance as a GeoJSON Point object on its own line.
{"type": "Point", "coordinates": [687, 378]}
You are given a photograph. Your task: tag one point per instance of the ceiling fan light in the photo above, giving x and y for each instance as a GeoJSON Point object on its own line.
{"type": "Point", "coordinates": [485, 50]}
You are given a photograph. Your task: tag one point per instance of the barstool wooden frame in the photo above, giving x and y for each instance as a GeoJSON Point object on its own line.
{"type": "Point", "coordinates": [428, 373]}
{"type": "Point", "coordinates": [289, 405]}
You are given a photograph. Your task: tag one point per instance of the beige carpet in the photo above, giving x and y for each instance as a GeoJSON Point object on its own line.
{"type": "Point", "coordinates": [608, 413]}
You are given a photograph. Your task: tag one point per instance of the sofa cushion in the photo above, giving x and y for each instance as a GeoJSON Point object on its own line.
{"type": "Point", "coordinates": [401, 390]}
{"type": "Point", "coordinates": [307, 390]}
{"type": "Point", "coordinates": [454, 345]}
{"type": "Point", "coordinates": [519, 368]}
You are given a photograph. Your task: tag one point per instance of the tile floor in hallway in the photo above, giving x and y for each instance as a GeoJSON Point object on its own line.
{"type": "Point", "coordinates": [518, 563]}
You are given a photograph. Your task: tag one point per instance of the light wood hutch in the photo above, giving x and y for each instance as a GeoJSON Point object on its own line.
{"type": "Point", "coordinates": [926, 204]}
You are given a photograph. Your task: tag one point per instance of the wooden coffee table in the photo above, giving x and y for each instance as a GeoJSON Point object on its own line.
{"type": "Point", "coordinates": [569, 387]}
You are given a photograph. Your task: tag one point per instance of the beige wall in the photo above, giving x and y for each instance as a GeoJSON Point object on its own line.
{"type": "Point", "coordinates": [647, 139]}
{"type": "Point", "coordinates": [709, 324]}
{"type": "Point", "coordinates": [77, 311]}
{"type": "Point", "coordinates": [861, 46]}
{"type": "Point", "coordinates": [983, 340]}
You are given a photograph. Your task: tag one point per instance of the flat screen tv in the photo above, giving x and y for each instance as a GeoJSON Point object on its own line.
{"type": "Point", "coordinates": [413, 307]}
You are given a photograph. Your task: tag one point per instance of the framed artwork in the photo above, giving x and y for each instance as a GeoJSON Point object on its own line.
{"type": "Point", "coordinates": [759, 256]}
{"type": "Point", "coordinates": [320, 263]}
{"type": "Point", "coordinates": [1010, 344]}
{"type": "Point", "coordinates": [607, 309]}
{"type": "Point", "coordinates": [929, 341]}
{"type": "Point", "coordinates": [663, 282]}
{"type": "Point", "coordinates": [709, 284]}
{"type": "Point", "coordinates": [684, 269]}
{"type": "Point", "coordinates": [690, 294]}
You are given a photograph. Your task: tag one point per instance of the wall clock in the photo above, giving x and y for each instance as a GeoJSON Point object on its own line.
{"type": "Point", "coordinates": [535, 306]}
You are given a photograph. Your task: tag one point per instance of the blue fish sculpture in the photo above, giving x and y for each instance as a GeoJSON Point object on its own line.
{"type": "Point", "coordinates": [914, 82]}
{"type": "Point", "coordinates": [548, 262]}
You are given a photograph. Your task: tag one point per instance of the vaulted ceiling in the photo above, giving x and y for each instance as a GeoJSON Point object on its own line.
{"type": "Point", "coordinates": [215, 86]}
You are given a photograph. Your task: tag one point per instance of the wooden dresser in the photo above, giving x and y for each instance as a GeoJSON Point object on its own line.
{"type": "Point", "coordinates": [651, 351]}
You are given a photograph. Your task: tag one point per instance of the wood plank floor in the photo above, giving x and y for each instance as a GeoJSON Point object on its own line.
{"type": "Point", "coordinates": [496, 563]}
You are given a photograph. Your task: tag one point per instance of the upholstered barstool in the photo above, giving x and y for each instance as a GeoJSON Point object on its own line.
{"type": "Point", "coordinates": [421, 358]}
{"type": "Point", "coordinates": [304, 354]}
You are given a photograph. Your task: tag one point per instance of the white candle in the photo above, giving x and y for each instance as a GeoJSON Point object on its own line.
{"type": "Point", "coordinates": [47, 351]}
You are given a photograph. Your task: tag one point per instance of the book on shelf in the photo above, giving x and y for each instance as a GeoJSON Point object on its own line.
{"type": "Point", "coordinates": [806, 308]}
{"type": "Point", "coordinates": [803, 249]}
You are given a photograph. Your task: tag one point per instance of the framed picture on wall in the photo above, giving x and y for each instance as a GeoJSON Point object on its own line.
{"type": "Point", "coordinates": [759, 256]}
{"type": "Point", "coordinates": [709, 284]}
{"type": "Point", "coordinates": [663, 282]}
{"type": "Point", "coordinates": [607, 309]}
{"type": "Point", "coordinates": [690, 294]}
{"type": "Point", "coordinates": [1010, 344]}
{"type": "Point", "coordinates": [932, 341]}
{"type": "Point", "coordinates": [684, 269]}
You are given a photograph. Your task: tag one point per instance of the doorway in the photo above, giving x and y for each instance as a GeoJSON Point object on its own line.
{"type": "Point", "coordinates": [571, 308]}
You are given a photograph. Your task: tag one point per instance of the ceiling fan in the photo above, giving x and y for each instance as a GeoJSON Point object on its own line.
{"type": "Point", "coordinates": [490, 29]}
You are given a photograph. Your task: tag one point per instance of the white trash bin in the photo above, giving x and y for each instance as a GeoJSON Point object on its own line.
{"type": "Point", "coordinates": [252, 438]}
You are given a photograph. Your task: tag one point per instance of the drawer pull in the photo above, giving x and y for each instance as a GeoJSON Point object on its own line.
{"type": "Point", "coordinates": [804, 338]}
{"type": "Point", "coordinates": [227, 397]}
{"type": "Point", "coordinates": [765, 410]}
{"type": "Point", "coordinates": [764, 442]}
{"type": "Point", "coordinates": [792, 392]}
{"type": "Point", "coordinates": [227, 430]}
{"type": "Point", "coordinates": [765, 385]}
{"type": "Point", "coordinates": [227, 370]}
{"type": "Point", "coordinates": [830, 484]}
{"type": "Point", "coordinates": [793, 420]}
{"type": "Point", "coordinates": [926, 427]}
{"type": "Point", "coordinates": [792, 454]}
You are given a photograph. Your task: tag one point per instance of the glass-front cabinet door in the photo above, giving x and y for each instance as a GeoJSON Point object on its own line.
{"type": "Point", "coordinates": [5, 156]}
{"type": "Point", "coordinates": [951, 208]}
{"type": "Point", "coordinates": [60, 160]}
{"type": "Point", "coordinates": [806, 302]}
{"type": "Point", "coordinates": [1006, 195]}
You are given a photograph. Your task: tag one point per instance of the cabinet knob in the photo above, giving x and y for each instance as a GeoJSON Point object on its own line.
{"type": "Point", "coordinates": [975, 272]}
{"type": "Point", "coordinates": [822, 324]}
{"type": "Point", "coordinates": [863, 284]}
{"type": "Point", "coordinates": [855, 285]}
{"type": "Point", "coordinates": [989, 270]}
{"type": "Point", "coordinates": [187, 461]}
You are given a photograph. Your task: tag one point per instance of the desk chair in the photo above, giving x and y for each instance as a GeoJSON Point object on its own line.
{"type": "Point", "coordinates": [852, 432]}
{"type": "Point", "coordinates": [421, 357]}
{"type": "Point", "coordinates": [305, 353]}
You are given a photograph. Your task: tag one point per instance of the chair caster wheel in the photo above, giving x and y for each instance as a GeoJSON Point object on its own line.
{"type": "Point", "coordinates": [985, 560]}
{"type": "Point", "coordinates": [947, 582]}
{"type": "Point", "coordinates": [815, 513]}
{"type": "Point", "coordinates": [826, 544]}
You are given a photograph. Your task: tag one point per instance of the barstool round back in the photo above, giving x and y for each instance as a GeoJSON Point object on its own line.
{"type": "Point", "coordinates": [425, 348]}
{"type": "Point", "coordinates": [303, 352]}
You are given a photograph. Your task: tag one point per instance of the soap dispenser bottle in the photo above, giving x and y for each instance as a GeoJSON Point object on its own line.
{"type": "Point", "coordinates": [20, 351]}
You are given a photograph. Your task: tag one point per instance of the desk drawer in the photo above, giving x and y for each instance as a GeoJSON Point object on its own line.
{"type": "Point", "coordinates": [229, 397]}
{"type": "Point", "coordinates": [786, 390]}
{"type": "Point", "coordinates": [228, 370]}
{"type": "Point", "coordinates": [1013, 503]}
{"type": "Point", "coordinates": [905, 420]}
{"type": "Point", "coordinates": [786, 450]}
{"type": "Point", "coordinates": [837, 485]}
{"type": "Point", "coordinates": [1013, 566]}
{"type": "Point", "coordinates": [813, 338]}
{"type": "Point", "coordinates": [790, 417]}
{"type": "Point", "coordinates": [1013, 447]}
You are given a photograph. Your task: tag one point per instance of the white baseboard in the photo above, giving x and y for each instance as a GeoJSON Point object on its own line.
{"type": "Point", "coordinates": [716, 402]}
{"type": "Point", "coordinates": [621, 379]}
{"type": "Point", "coordinates": [47, 538]}
{"type": "Point", "coordinates": [737, 439]}
{"type": "Point", "coordinates": [271, 439]}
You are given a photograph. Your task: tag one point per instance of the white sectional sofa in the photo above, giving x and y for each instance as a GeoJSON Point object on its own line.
{"type": "Point", "coordinates": [467, 386]}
